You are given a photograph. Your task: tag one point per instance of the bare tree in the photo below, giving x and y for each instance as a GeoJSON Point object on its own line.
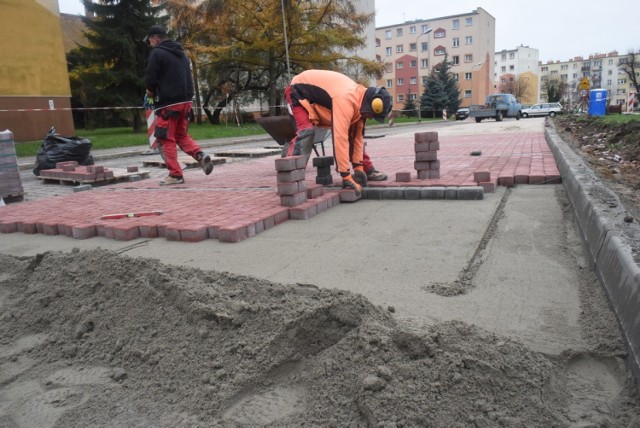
{"type": "Point", "coordinates": [630, 64]}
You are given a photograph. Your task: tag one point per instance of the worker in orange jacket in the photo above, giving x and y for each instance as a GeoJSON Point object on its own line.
{"type": "Point", "coordinates": [332, 100]}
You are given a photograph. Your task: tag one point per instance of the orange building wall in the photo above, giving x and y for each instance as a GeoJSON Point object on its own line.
{"type": "Point", "coordinates": [33, 70]}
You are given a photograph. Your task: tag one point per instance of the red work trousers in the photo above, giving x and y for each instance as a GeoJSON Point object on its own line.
{"type": "Point", "coordinates": [172, 123]}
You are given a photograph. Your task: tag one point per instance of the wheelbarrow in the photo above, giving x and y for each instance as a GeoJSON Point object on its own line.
{"type": "Point", "coordinates": [282, 130]}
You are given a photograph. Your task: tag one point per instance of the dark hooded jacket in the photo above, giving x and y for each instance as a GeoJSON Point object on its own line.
{"type": "Point", "coordinates": [169, 74]}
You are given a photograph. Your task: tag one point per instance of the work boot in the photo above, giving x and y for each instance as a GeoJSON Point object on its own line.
{"type": "Point", "coordinates": [169, 180]}
{"type": "Point", "coordinates": [375, 175]}
{"type": "Point", "coordinates": [349, 183]}
{"type": "Point", "coordinates": [360, 177]}
{"type": "Point", "coordinates": [205, 162]}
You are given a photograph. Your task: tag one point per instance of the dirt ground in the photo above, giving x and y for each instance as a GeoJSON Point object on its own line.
{"type": "Point", "coordinates": [612, 151]}
{"type": "Point", "coordinates": [93, 338]}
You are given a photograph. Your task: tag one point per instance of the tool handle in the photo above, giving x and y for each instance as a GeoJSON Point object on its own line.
{"type": "Point", "coordinates": [130, 215]}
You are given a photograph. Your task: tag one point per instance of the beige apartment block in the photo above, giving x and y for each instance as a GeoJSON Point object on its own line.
{"type": "Point", "coordinates": [603, 71]}
{"type": "Point", "coordinates": [517, 72]}
{"type": "Point", "coordinates": [410, 51]}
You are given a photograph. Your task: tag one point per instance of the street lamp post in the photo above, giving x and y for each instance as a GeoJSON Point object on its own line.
{"type": "Point", "coordinates": [419, 94]}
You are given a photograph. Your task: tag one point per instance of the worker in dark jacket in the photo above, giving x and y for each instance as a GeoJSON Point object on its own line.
{"type": "Point", "coordinates": [170, 86]}
{"type": "Point", "coordinates": [328, 99]}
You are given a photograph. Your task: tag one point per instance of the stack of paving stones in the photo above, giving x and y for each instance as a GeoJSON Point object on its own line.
{"type": "Point", "coordinates": [10, 182]}
{"type": "Point", "coordinates": [291, 184]}
{"type": "Point", "coordinates": [304, 201]}
{"type": "Point", "coordinates": [427, 163]}
{"type": "Point", "coordinates": [71, 171]}
{"type": "Point", "coordinates": [323, 166]}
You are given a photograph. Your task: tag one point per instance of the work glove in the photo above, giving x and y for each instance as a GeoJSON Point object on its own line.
{"type": "Point", "coordinates": [148, 102]}
{"type": "Point", "coordinates": [349, 183]}
{"type": "Point", "coordinates": [360, 176]}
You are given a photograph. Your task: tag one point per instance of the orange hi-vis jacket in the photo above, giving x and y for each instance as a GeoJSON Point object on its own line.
{"type": "Point", "coordinates": [333, 101]}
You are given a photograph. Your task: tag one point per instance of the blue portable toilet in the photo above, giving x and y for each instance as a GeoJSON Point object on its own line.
{"type": "Point", "coordinates": [597, 102]}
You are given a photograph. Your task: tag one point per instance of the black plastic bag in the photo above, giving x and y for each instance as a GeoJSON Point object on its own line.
{"type": "Point", "coordinates": [56, 148]}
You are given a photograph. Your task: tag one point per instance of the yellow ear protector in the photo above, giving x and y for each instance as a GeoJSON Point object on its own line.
{"type": "Point", "coordinates": [377, 106]}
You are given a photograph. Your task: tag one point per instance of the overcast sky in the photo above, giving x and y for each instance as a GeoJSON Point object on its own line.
{"type": "Point", "coordinates": [559, 29]}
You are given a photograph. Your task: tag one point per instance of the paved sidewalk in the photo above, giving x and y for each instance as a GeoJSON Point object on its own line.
{"type": "Point", "coordinates": [239, 199]}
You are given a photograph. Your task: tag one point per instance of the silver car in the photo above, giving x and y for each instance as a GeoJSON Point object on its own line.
{"type": "Point", "coordinates": [543, 109]}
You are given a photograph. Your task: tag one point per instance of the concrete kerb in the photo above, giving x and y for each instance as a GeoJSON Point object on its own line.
{"type": "Point", "coordinates": [607, 240]}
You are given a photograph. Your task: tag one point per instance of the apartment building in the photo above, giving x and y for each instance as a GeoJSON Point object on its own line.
{"type": "Point", "coordinates": [34, 83]}
{"type": "Point", "coordinates": [602, 70]}
{"type": "Point", "coordinates": [410, 51]}
{"type": "Point", "coordinates": [517, 71]}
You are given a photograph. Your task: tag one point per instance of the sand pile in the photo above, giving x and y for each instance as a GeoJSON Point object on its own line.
{"type": "Point", "coordinates": [97, 339]}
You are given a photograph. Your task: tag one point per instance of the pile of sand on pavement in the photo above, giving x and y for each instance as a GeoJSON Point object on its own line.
{"type": "Point", "coordinates": [98, 339]}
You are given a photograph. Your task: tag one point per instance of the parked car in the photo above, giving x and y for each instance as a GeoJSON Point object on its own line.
{"type": "Point", "coordinates": [543, 109]}
{"type": "Point", "coordinates": [496, 106]}
{"type": "Point", "coordinates": [462, 113]}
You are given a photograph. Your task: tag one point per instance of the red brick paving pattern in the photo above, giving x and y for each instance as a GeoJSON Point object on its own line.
{"type": "Point", "coordinates": [239, 200]}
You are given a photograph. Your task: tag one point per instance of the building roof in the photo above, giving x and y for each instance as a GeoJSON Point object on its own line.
{"type": "Point", "coordinates": [72, 31]}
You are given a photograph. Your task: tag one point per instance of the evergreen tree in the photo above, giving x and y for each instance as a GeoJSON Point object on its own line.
{"type": "Point", "coordinates": [109, 71]}
{"type": "Point", "coordinates": [441, 90]}
{"type": "Point", "coordinates": [410, 108]}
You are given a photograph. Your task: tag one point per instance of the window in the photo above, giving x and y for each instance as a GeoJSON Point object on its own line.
{"type": "Point", "coordinates": [512, 67]}
{"type": "Point", "coordinates": [399, 49]}
{"type": "Point", "coordinates": [610, 62]}
{"type": "Point", "coordinates": [455, 42]}
{"type": "Point", "coordinates": [424, 63]}
{"type": "Point", "coordinates": [503, 57]}
{"type": "Point", "coordinates": [455, 60]}
{"type": "Point", "coordinates": [456, 24]}
{"type": "Point", "coordinates": [468, 21]}
{"type": "Point", "coordinates": [389, 51]}
{"type": "Point", "coordinates": [440, 51]}
{"type": "Point", "coordinates": [377, 42]}
{"type": "Point", "coordinates": [424, 46]}
{"type": "Point", "coordinates": [412, 29]}
{"type": "Point", "coordinates": [622, 81]}
{"type": "Point", "coordinates": [544, 69]}
{"type": "Point", "coordinates": [456, 77]}
{"type": "Point", "coordinates": [413, 63]}
{"type": "Point", "coordinates": [412, 47]}
{"type": "Point", "coordinates": [399, 32]}
{"type": "Point", "coordinates": [400, 97]}
{"type": "Point", "coordinates": [387, 34]}
{"type": "Point", "coordinates": [400, 81]}
{"type": "Point", "coordinates": [512, 55]}
{"type": "Point", "coordinates": [503, 69]}
{"type": "Point", "coordinates": [564, 77]}
{"type": "Point", "coordinates": [413, 80]}
{"type": "Point", "coordinates": [439, 34]}
{"type": "Point", "coordinates": [468, 40]}
{"type": "Point", "coordinates": [389, 83]}
{"type": "Point", "coordinates": [564, 67]}
{"type": "Point", "coordinates": [467, 76]}
{"type": "Point", "coordinates": [467, 93]}
{"type": "Point", "coordinates": [468, 58]}
{"type": "Point", "coordinates": [399, 65]}
{"type": "Point", "coordinates": [388, 67]}
{"type": "Point", "coordinates": [621, 91]}
{"type": "Point", "coordinates": [424, 28]}
{"type": "Point", "coordinates": [554, 72]}
{"type": "Point", "coordinates": [412, 96]}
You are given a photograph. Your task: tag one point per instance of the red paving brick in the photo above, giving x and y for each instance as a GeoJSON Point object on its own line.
{"type": "Point", "coordinates": [240, 199]}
